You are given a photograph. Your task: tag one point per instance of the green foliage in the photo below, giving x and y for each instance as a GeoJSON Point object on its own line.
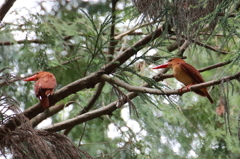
{"type": "Point", "coordinates": [75, 43]}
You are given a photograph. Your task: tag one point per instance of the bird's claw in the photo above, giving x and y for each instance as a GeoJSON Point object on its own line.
{"type": "Point", "coordinates": [187, 87]}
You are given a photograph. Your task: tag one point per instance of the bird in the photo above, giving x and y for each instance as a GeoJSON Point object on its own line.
{"type": "Point", "coordinates": [44, 86]}
{"type": "Point", "coordinates": [186, 74]}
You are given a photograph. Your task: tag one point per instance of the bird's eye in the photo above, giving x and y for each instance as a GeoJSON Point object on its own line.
{"type": "Point", "coordinates": [169, 60]}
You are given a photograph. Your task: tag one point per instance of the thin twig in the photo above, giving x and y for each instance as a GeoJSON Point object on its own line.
{"type": "Point", "coordinates": [204, 45]}
{"type": "Point", "coordinates": [84, 128]}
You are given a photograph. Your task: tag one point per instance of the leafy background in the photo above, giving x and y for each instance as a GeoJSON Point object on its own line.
{"type": "Point", "coordinates": [74, 39]}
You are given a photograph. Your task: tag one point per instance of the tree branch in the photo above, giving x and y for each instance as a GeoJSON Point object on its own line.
{"type": "Point", "coordinates": [5, 8]}
{"type": "Point", "coordinates": [183, 47]}
{"type": "Point", "coordinates": [36, 41]}
{"type": "Point", "coordinates": [87, 116]}
{"type": "Point", "coordinates": [94, 78]}
{"type": "Point", "coordinates": [86, 82]}
{"type": "Point", "coordinates": [204, 45]}
{"type": "Point", "coordinates": [113, 42]}
{"type": "Point", "coordinates": [111, 107]}
{"type": "Point", "coordinates": [129, 87]}
{"type": "Point", "coordinates": [49, 112]}
{"type": "Point", "coordinates": [229, 15]}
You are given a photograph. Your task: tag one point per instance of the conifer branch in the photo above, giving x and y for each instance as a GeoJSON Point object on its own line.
{"type": "Point", "coordinates": [129, 87]}
{"type": "Point", "coordinates": [111, 107]}
{"type": "Point", "coordinates": [49, 112]}
{"type": "Point", "coordinates": [204, 45]}
{"type": "Point", "coordinates": [87, 82]}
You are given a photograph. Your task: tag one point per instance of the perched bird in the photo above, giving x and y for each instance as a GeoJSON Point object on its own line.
{"type": "Point", "coordinates": [44, 86]}
{"type": "Point", "coordinates": [186, 74]}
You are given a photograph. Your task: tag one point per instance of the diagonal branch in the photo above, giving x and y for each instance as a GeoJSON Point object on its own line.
{"type": "Point", "coordinates": [141, 89]}
{"type": "Point", "coordinates": [94, 78]}
{"type": "Point", "coordinates": [111, 107]}
{"type": "Point", "coordinates": [5, 8]}
{"type": "Point", "coordinates": [204, 45]}
{"type": "Point", "coordinates": [86, 82]}
{"type": "Point", "coordinates": [183, 47]}
{"type": "Point", "coordinates": [210, 47]}
{"type": "Point", "coordinates": [49, 112]}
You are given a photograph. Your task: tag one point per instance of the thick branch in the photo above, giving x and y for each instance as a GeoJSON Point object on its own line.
{"type": "Point", "coordinates": [111, 107]}
{"type": "Point", "coordinates": [86, 82]}
{"type": "Point", "coordinates": [5, 8]}
{"type": "Point", "coordinates": [94, 78]}
{"type": "Point", "coordinates": [129, 87]}
{"type": "Point", "coordinates": [49, 112]}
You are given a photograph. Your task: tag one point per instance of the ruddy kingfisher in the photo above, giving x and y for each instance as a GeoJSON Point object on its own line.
{"type": "Point", "coordinates": [44, 86]}
{"type": "Point", "coordinates": [186, 74]}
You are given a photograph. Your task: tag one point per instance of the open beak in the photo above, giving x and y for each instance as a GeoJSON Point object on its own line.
{"type": "Point", "coordinates": [32, 78]}
{"type": "Point", "coordinates": [161, 66]}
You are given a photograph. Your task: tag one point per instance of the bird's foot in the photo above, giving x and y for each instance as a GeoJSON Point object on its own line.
{"type": "Point", "coordinates": [180, 90]}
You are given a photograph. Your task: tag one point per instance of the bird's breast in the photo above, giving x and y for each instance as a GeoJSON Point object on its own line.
{"type": "Point", "coordinates": [182, 76]}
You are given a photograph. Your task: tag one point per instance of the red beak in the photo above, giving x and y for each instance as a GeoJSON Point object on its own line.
{"type": "Point", "coordinates": [161, 66]}
{"type": "Point", "coordinates": [32, 78]}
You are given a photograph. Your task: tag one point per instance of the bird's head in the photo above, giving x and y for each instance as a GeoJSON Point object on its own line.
{"type": "Point", "coordinates": [36, 76]}
{"type": "Point", "coordinates": [170, 63]}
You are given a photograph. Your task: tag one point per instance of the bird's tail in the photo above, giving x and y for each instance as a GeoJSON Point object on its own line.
{"type": "Point", "coordinates": [203, 92]}
{"type": "Point", "coordinates": [43, 98]}
{"type": "Point", "coordinates": [44, 101]}
{"type": "Point", "coordinates": [209, 98]}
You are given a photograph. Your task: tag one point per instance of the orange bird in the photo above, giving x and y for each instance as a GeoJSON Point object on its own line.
{"type": "Point", "coordinates": [44, 86]}
{"type": "Point", "coordinates": [186, 74]}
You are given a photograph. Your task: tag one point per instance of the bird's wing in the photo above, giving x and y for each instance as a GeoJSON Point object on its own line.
{"type": "Point", "coordinates": [192, 72]}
